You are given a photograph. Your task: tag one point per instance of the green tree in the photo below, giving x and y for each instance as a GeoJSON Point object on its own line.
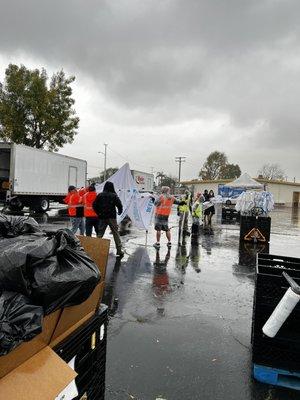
{"type": "Point", "coordinates": [213, 166]}
{"type": "Point", "coordinates": [230, 171]}
{"type": "Point", "coordinates": [100, 178]}
{"type": "Point", "coordinates": [169, 180]}
{"type": "Point", "coordinates": [109, 173]}
{"type": "Point", "coordinates": [159, 176]}
{"type": "Point", "coordinates": [35, 114]}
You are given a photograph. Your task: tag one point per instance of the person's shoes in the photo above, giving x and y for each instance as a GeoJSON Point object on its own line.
{"type": "Point", "coordinates": [169, 245]}
{"type": "Point", "coordinates": [156, 245]}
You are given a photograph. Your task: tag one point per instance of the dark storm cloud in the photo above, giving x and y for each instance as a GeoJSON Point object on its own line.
{"type": "Point", "coordinates": [174, 57]}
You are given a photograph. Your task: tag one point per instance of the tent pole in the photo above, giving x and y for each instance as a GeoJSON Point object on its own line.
{"type": "Point", "coordinates": [180, 233]}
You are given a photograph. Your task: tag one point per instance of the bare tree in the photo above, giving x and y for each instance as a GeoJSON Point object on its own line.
{"type": "Point", "coordinates": [272, 172]}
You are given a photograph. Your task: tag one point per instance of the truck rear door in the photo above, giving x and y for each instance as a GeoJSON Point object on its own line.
{"type": "Point", "coordinates": [5, 157]}
{"type": "Point", "coordinates": [73, 176]}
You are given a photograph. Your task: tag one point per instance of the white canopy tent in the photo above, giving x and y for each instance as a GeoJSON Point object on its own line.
{"type": "Point", "coordinates": [245, 182]}
{"type": "Point", "coordinates": [139, 207]}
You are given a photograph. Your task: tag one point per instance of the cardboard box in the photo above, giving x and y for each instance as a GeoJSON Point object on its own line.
{"type": "Point", "coordinates": [27, 349]}
{"type": "Point", "coordinates": [56, 327]}
{"type": "Point", "coordinates": [72, 317]}
{"type": "Point", "coordinates": [42, 377]}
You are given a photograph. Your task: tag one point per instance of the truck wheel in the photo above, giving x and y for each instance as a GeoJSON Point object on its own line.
{"type": "Point", "coordinates": [16, 204]}
{"type": "Point", "coordinates": [41, 205]}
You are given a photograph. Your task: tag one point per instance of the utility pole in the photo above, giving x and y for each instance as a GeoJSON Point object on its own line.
{"type": "Point", "coordinates": [105, 159]}
{"type": "Point", "coordinates": [105, 156]}
{"type": "Point", "coordinates": [180, 160]}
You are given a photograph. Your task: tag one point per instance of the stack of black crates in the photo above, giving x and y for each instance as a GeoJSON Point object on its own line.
{"type": "Point", "coordinates": [282, 351]}
{"type": "Point", "coordinates": [88, 344]}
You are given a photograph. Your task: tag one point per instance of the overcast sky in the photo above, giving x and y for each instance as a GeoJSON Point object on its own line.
{"type": "Point", "coordinates": [165, 78]}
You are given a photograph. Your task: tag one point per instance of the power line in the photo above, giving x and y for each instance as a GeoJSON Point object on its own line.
{"type": "Point", "coordinates": [128, 160]}
{"type": "Point", "coordinates": [194, 165]}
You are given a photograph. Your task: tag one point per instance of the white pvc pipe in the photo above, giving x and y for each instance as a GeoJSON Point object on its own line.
{"type": "Point", "coordinates": [281, 313]}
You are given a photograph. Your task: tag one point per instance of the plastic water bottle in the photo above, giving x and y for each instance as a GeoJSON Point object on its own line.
{"type": "Point", "coordinates": [283, 309]}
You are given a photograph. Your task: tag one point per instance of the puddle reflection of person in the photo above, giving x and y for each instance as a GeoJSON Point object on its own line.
{"type": "Point", "coordinates": [161, 277]}
{"type": "Point", "coordinates": [195, 257]}
{"type": "Point", "coordinates": [111, 297]}
{"type": "Point", "coordinates": [160, 284]}
{"type": "Point", "coordinates": [207, 244]}
{"type": "Point", "coordinates": [181, 260]}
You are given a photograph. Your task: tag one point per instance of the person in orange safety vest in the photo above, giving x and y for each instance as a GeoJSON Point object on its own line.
{"type": "Point", "coordinates": [91, 218]}
{"type": "Point", "coordinates": [163, 209]}
{"type": "Point", "coordinates": [75, 209]}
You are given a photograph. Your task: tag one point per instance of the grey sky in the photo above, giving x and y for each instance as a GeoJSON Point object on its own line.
{"type": "Point", "coordinates": [158, 79]}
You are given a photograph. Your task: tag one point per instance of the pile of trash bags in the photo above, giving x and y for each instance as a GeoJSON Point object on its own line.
{"type": "Point", "coordinates": [255, 203]}
{"type": "Point", "coordinates": [39, 274]}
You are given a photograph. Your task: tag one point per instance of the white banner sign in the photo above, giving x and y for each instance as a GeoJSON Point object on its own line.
{"type": "Point", "coordinates": [139, 207]}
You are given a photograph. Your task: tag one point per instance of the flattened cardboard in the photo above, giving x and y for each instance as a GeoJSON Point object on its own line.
{"type": "Point", "coordinates": [74, 316]}
{"type": "Point", "coordinates": [42, 377]}
{"type": "Point", "coordinates": [61, 323]}
{"type": "Point", "coordinates": [28, 349]}
{"type": "Point", "coordinates": [98, 250]}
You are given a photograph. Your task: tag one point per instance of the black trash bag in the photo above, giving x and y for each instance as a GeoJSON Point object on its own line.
{"type": "Point", "coordinates": [12, 226]}
{"type": "Point", "coordinates": [16, 258]}
{"type": "Point", "coordinates": [66, 279]}
{"type": "Point", "coordinates": [20, 321]}
{"type": "Point", "coordinates": [66, 236]}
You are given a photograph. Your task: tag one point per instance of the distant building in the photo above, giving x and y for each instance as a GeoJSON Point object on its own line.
{"type": "Point", "coordinates": [285, 193]}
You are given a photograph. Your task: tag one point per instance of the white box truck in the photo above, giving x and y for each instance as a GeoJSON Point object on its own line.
{"type": "Point", "coordinates": [32, 177]}
{"type": "Point", "coordinates": [143, 180]}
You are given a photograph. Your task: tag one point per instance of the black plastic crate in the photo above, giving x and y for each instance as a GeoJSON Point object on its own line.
{"type": "Point", "coordinates": [290, 330]}
{"type": "Point", "coordinates": [282, 351]}
{"type": "Point", "coordinates": [229, 214]}
{"type": "Point", "coordinates": [94, 386]}
{"type": "Point", "coordinates": [271, 264]}
{"type": "Point", "coordinates": [270, 289]}
{"type": "Point", "coordinates": [270, 285]}
{"type": "Point", "coordinates": [280, 354]}
{"type": "Point", "coordinates": [88, 344]}
{"type": "Point", "coordinates": [255, 229]}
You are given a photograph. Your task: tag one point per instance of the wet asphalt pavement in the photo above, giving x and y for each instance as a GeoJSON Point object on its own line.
{"type": "Point", "coordinates": [180, 320]}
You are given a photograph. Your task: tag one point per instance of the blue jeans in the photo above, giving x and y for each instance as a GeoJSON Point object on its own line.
{"type": "Point", "coordinates": [77, 223]}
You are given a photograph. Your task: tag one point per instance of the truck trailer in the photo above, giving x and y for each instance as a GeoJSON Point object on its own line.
{"type": "Point", "coordinates": [31, 177]}
{"type": "Point", "coordinates": [143, 180]}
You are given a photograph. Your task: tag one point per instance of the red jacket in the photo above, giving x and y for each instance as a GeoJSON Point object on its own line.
{"type": "Point", "coordinates": [73, 200]}
{"type": "Point", "coordinates": [88, 200]}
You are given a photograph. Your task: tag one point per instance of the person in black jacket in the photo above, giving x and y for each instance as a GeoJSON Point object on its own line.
{"type": "Point", "coordinates": [105, 206]}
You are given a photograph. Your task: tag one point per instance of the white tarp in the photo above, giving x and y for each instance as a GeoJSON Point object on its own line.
{"type": "Point", "coordinates": [139, 207]}
{"type": "Point", "coordinates": [245, 181]}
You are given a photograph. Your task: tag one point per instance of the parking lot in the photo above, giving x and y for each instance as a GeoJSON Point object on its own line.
{"type": "Point", "coordinates": [180, 321]}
